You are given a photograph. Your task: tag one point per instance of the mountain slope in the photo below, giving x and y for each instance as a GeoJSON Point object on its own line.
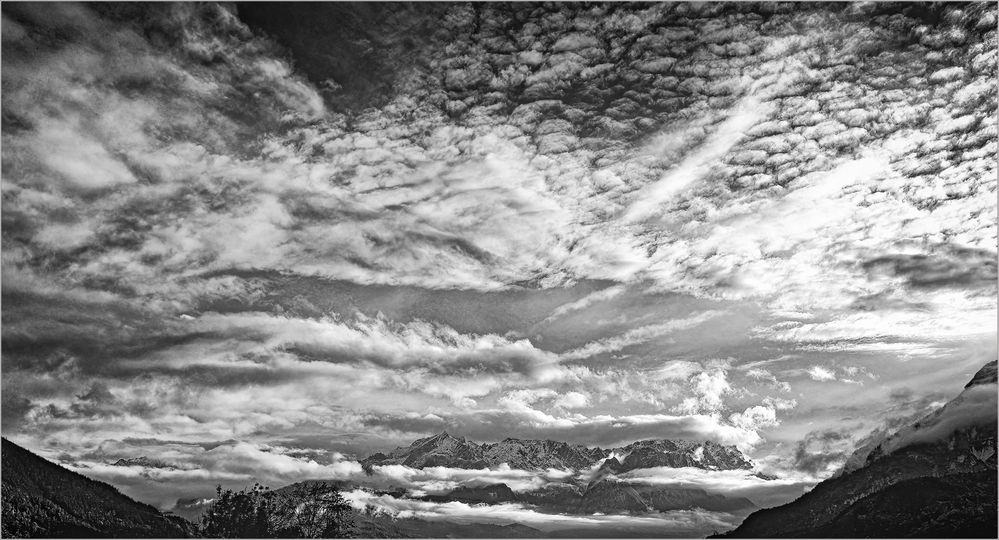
{"type": "Point", "coordinates": [42, 499]}
{"type": "Point", "coordinates": [934, 478]}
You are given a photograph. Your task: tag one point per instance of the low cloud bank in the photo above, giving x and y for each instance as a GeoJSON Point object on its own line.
{"type": "Point", "coordinates": [687, 522]}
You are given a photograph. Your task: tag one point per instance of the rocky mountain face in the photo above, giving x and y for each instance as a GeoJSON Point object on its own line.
{"type": "Point", "coordinates": [441, 450]}
{"type": "Point", "coordinates": [934, 478]}
{"type": "Point", "coordinates": [444, 450]}
{"type": "Point", "coordinates": [986, 375]}
{"type": "Point", "coordinates": [532, 455]}
{"type": "Point", "coordinates": [42, 499]}
{"type": "Point", "coordinates": [668, 453]}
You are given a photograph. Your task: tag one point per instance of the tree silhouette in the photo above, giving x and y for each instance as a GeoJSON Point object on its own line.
{"type": "Point", "coordinates": [307, 510]}
{"type": "Point", "coordinates": [239, 514]}
{"type": "Point", "coordinates": [312, 510]}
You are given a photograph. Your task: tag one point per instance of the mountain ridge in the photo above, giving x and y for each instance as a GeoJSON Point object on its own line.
{"type": "Point", "coordinates": [934, 478]}
{"type": "Point", "coordinates": [445, 450]}
{"type": "Point", "coordinates": [603, 497]}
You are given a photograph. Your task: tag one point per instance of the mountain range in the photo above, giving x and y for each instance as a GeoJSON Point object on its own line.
{"type": "Point", "coordinates": [933, 478]}
{"type": "Point", "coordinates": [445, 450]}
{"type": "Point", "coordinates": [143, 461]}
{"type": "Point", "coordinates": [598, 497]}
{"type": "Point", "coordinates": [583, 494]}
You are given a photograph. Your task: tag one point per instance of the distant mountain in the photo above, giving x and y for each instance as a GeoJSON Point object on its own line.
{"type": "Point", "coordinates": [441, 450]}
{"type": "Point", "coordinates": [605, 496]}
{"type": "Point", "coordinates": [444, 450]}
{"type": "Point", "coordinates": [934, 478]}
{"type": "Point", "coordinates": [533, 455]}
{"type": "Point", "coordinates": [675, 454]}
{"type": "Point", "coordinates": [42, 499]}
{"type": "Point", "coordinates": [597, 493]}
{"type": "Point", "coordinates": [143, 461]}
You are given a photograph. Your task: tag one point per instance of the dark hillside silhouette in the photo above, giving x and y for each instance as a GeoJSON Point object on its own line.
{"type": "Point", "coordinates": [42, 499]}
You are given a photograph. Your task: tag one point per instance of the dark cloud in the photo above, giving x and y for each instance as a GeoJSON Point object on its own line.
{"type": "Point", "coordinates": [14, 408]}
{"type": "Point", "coordinates": [206, 445]}
{"type": "Point", "coordinates": [948, 266]}
{"type": "Point", "coordinates": [818, 450]}
{"type": "Point", "coordinates": [354, 54]}
{"type": "Point", "coordinates": [467, 311]}
{"type": "Point", "coordinates": [98, 393]}
{"type": "Point", "coordinates": [408, 423]}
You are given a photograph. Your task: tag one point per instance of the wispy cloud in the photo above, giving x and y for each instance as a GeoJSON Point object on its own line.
{"type": "Point", "coordinates": [744, 115]}
{"type": "Point", "coordinates": [538, 231]}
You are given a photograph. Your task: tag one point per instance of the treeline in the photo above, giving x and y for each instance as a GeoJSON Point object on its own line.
{"type": "Point", "coordinates": [307, 510]}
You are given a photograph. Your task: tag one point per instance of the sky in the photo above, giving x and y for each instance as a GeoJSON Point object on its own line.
{"type": "Point", "coordinates": [264, 241]}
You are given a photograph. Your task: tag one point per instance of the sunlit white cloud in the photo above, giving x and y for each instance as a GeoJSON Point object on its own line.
{"type": "Point", "coordinates": [529, 231]}
{"type": "Point", "coordinates": [744, 115]}
{"type": "Point", "coordinates": [692, 521]}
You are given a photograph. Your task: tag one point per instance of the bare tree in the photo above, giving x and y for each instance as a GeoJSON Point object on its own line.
{"type": "Point", "coordinates": [238, 514]}
{"type": "Point", "coordinates": [312, 510]}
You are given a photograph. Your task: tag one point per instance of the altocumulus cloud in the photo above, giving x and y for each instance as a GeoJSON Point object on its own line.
{"type": "Point", "coordinates": [595, 223]}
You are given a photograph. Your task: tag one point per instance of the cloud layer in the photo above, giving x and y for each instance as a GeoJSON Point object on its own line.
{"type": "Point", "coordinates": [753, 224]}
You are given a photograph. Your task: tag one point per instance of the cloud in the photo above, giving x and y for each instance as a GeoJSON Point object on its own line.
{"type": "Point", "coordinates": [755, 417]}
{"type": "Point", "coordinates": [744, 115]}
{"type": "Point", "coordinates": [709, 386]}
{"type": "Point", "coordinates": [81, 160]}
{"type": "Point", "coordinates": [685, 521]}
{"type": "Point", "coordinates": [975, 406]}
{"type": "Point", "coordinates": [438, 348]}
{"type": "Point", "coordinates": [572, 400]}
{"type": "Point", "coordinates": [822, 452]}
{"type": "Point", "coordinates": [934, 322]}
{"type": "Point", "coordinates": [439, 480]}
{"type": "Point", "coordinates": [504, 181]}
{"type": "Point", "coordinates": [587, 301]}
{"type": "Point", "coordinates": [635, 336]}
{"type": "Point", "coordinates": [214, 232]}
{"type": "Point", "coordinates": [960, 267]}
{"type": "Point", "coordinates": [819, 373]}
{"type": "Point", "coordinates": [736, 483]}
{"type": "Point", "coordinates": [765, 375]}
{"type": "Point", "coordinates": [605, 431]}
